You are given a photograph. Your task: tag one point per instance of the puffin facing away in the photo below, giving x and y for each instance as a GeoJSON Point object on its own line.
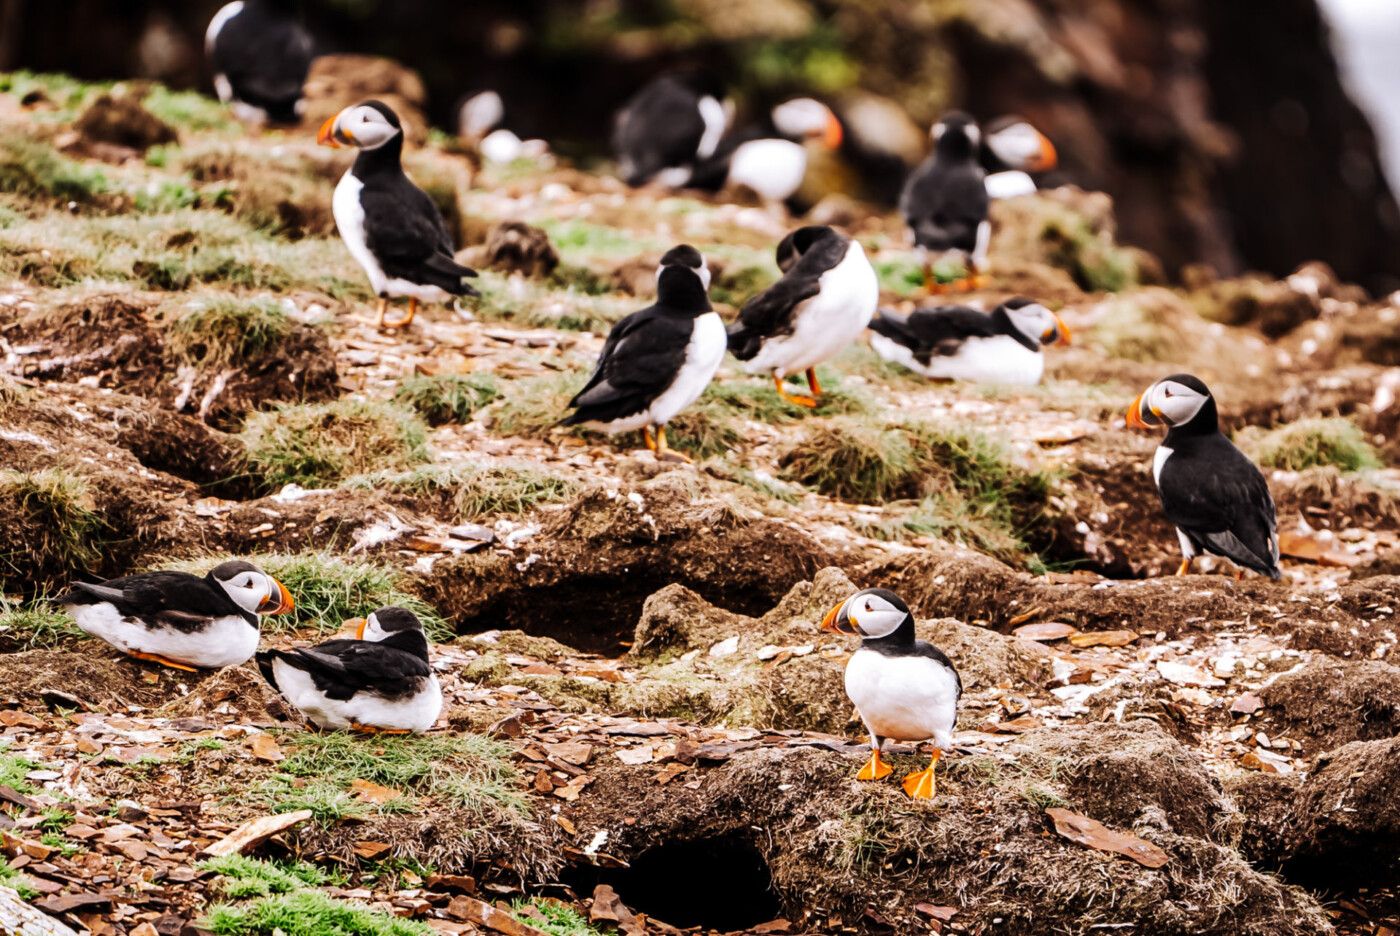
{"type": "Point", "coordinates": [391, 226]}
{"type": "Point", "coordinates": [1211, 491]}
{"type": "Point", "coordinates": [1012, 150]}
{"type": "Point", "coordinates": [770, 158]}
{"type": "Point", "coordinates": [260, 56]}
{"type": "Point", "coordinates": [379, 682]}
{"type": "Point", "coordinates": [825, 299]}
{"type": "Point", "coordinates": [656, 362]}
{"type": "Point", "coordinates": [666, 128]}
{"type": "Point", "coordinates": [181, 620]}
{"type": "Point", "coordinates": [957, 343]}
{"type": "Point", "coordinates": [904, 688]}
{"type": "Point", "coordinates": [945, 201]}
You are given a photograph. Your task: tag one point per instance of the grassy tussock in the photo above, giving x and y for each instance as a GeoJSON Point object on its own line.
{"type": "Point", "coordinates": [446, 398]}
{"type": "Point", "coordinates": [1310, 443]}
{"type": "Point", "coordinates": [1144, 327]}
{"type": "Point", "coordinates": [307, 913]}
{"type": "Point", "coordinates": [572, 298]}
{"type": "Point", "coordinates": [478, 490]}
{"type": "Point", "coordinates": [223, 331]}
{"type": "Point", "coordinates": [552, 916]}
{"type": "Point", "coordinates": [323, 444]}
{"type": "Point", "coordinates": [50, 522]}
{"type": "Point", "coordinates": [31, 627]}
{"type": "Point", "coordinates": [288, 196]}
{"type": "Point", "coordinates": [242, 877]}
{"type": "Point", "coordinates": [532, 406]}
{"type": "Point", "coordinates": [36, 170]}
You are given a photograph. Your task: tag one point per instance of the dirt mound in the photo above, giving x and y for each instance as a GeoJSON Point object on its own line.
{"type": "Point", "coordinates": [337, 81]}
{"type": "Point", "coordinates": [238, 692]}
{"type": "Point", "coordinates": [1328, 703]}
{"type": "Point", "coordinates": [99, 676]}
{"type": "Point", "coordinates": [517, 247]}
{"type": "Point", "coordinates": [121, 120]}
{"type": "Point", "coordinates": [1346, 818]}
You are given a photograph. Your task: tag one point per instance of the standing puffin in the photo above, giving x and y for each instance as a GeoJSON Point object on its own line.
{"type": "Point", "coordinates": [1012, 150]}
{"type": "Point", "coordinates": [260, 56]}
{"type": "Point", "coordinates": [945, 201]}
{"type": "Point", "coordinates": [825, 299]}
{"type": "Point", "coordinates": [181, 620]}
{"type": "Point", "coordinates": [657, 361]}
{"type": "Point", "coordinates": [665, 129]}
{"type": "Point", "coordinates": [1211, 491]}
{"type": "Point", "coordinates": [389, 224]}
{"type": "Point", "coordinates": [770, 158]}
{"type": "Point", "coordinates": [379, 682]}
{"type": "Point", "coordinates": [904, 688]}
{"type": "Point", "coordinates": [957, 343]}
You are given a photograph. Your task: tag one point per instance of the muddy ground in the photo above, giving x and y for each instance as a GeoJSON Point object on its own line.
{"type": "Point", "coordinates": [642, 643]}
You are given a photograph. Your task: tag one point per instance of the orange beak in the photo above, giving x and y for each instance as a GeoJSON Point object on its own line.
{"type": "Point", "coordinates": [1047, 158]}
{"type": "Point", "coordinates": [1065, 336]}
{"type": "Point", "coordinates": [282, 605]}
{"type": "Point", "coordinates": [829, 622]}
{"type": "Point", "coordinates": [833, 622]}
{"type": "Point", "coordinates": [833, 135]}
{"type": "Point", "coordinates": [1135, 420]}
{"type": "Point", "coordinates": [359, 625]}
{"type": "Point", "coordinates": [327, 135]}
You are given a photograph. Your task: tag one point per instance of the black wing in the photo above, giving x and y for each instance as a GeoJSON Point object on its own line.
{"type": "Point", "coordinates": [945, 205]}
{"type": "Point", "coordinates": [266, 59]}
{"type": "Point", "coordinates": [341, 668]}
{"type": "Point", "coordinates": [925, 649]}
{"type": "Point", "coordinates": [640, 359]}
{"type": "Point", "coordinates": [770, 313]}
{"type": "Point", "coordinates": [408, 236]}
{"type": "Point", "coordinates": [1214, 494]}
{"type": "Point", "coordinates": [939, 331]}
{"type": "Point", "coordinates": [174, 600]}
{"type": "Point", "coordinates": [660, 127]}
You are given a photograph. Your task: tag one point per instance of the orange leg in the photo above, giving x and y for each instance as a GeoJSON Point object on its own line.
{"type": "Point", "coordinates": [921, 785]}
{"type": "Point", "coordinates": [875, 769]}
{"type": "Point", "coordinates": [646, 437]}
{"type": "Point", "coordinates": [1239, 574]}
{"type": "Point", "coordinates": [1184, 567]}
{"type": "Point", "coordinates": [383, 309]}
{"type": "Point", "coordinates": [666, 454]}
{"type": "Point", "coordinates": [412, 309]}
{"type": "Point", "coordinates": [163, 661]}
{"type": "Point", "coordinates": [370, 729]}
{"type": "Point", "coordinates": [795, 399]}
{"type": "Point", "coordinates": [816, 388]}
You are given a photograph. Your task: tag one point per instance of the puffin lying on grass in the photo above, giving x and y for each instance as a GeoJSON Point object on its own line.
{"type": "Point", "coordinates": [260, 56]}
{"type": "Point", "coordinates": [904, 688]}
{"type": "Point", "coordinates": [945, 202]}
{"type": "Point", "coordinates": [957, 343]}
{"type": "Point", "coordinates": [770, 158]}
{"type": "Point", "coordinates": [1214, 495]}
{"type": "Point", "coordinates": [379, 682]}
{"type": "Point", "coordinates": [657, 361]}
{"type": "Point", "coordinates": [825, 299]}
{"type": "Point", "coordinates": [181, 620]}
{"type": "Point", "coordinates": [391, 226]}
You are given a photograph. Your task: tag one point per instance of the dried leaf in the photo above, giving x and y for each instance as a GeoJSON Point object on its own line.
{"type": "Point", "coordinates": [1112, 638]}
{"type": "Point", "coordinates": [1095, 835]}
{"type": "Point", "coordinates": [1049, 630]}
{"type": "Point", "coordinates": [1246, 704]}
{"type": "Point", "coordinates": [367, 792]}
{"type": "Point", "coordinates": [1313, 548]}
{"type": "Point", "coordinates": [255, 832]}
{"type": "Point", "coordinates": [935, 912]}
{"type": "Point", "coordinates": [265, 748]}
{"type": "Point", "coordinates": [1184, 674]}
{"type": "Point", "coordinates": [1026, 616]}
{"type": "Point", "coordinates": [371, 851]}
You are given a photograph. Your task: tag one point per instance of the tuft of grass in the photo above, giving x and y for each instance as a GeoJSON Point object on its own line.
{"type": "Point", "coordinates": [445, 398]}
{"type": "Point", "coordinates": [244, 877]}
{"type": "Point", "coordinates": [19, 883]}
{"type": "Point", "coordinates": [33, 627]}
{"type": "Point", "coordinates": [1093, 260]}
{"type": "Point", "coordinates": [714, 424]}
{"type": "Point", "coordinates": [190, 110]}
{"type": "Point", "coordinates": [532, 406]}
{"type": "Point", "coordinates": [854, 459]}
{"type": "Point", "coordinates": [329, 589]}
{"type": "Point", "coordinates": [328, 804]}
{"type": "Point", "coordinates": [323, 444]}
{"type": "Point", "coordinates": [37, 170]}
{"type": "Point", "coordinates": [224, 331]}
{"type": "Point", "coordinates": [51, 523]}
{"type": "Point", "coordinates": [478, 490]}
{"type": "Point", "coordinates": [1144, 326]}
{"type": "Point", "coordinates": [13, 770]}
{"type": "Point", "coordinates": [552, 916]}
{"type": "Point", "coordinates": [1310, 443]}
{"type": "Point", "coordinates": [307, 913]}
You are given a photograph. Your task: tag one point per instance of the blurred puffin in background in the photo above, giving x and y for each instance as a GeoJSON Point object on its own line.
{"type": "Point", "coordinates": [770, 157]}
{"type": "Point", "coordinates": [945, 202]}
{"type": "Point", "coordinates": [1012, 151]}
{"type": "Point", "coordinates": [958, 343]}
{"type": "Point", "coordinates": [260, 55]}
{"type": "Point", "coordinates": [390, 226]}
{"type": "Point", "coordinates": [666, 128]}
{"type": "Point", "coordinates": [479, 119]}
{"type": "Point", "coordinates": [1212, 493]}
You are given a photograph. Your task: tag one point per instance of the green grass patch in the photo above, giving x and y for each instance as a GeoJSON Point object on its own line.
{"type": "Point", "coordinates": [477, 489]}
{"type": "Point", "coordinates": [306, 913]}
{"type": "Point", "coordinates": [328, 590]}
{"type": "Point", "coordinates": [51, 526]}
{"type": "Point", "coordinates": [552, 916]}
{"type": "Point", "coordinates": [322, 444]}
{"type": "Point", "coordinates": [190, 110]}
{"type": "Point", "coordinates": [37, 170]}
{"type": "Point", "coordinates": [35, 627]}
{"type": "Point", "coordinates": [243, 877]}
{"type": "Point", "coordinates": [1310, 443]}
{"type": "Point", "coordinates": [532, 406]}
{"type": "Point", "coordinates": [18, 882]}
{"type": "Point", "coordinates": [328, 803]}
{"type": "Point", "coordinates": [446, 398]}
{"type": "Point", "coordinates": [1095, 262]}
{"type": "Point", "coordinates": [713, 424]}
{"type": "Point", "coordinates": [225, 331]}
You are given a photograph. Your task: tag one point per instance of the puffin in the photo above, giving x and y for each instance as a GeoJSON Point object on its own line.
{"type": "Point", "coordinates": [770, 158]}
{"type": "Point", "coordinates": [1013, 149]}
{"type": "Point", "coordinates": [904, 688]}
{"type": "Point", "coordinates": [391, 226]}
{"type": "Point", "coordinates": [667, 126]}
{"type": "Point", "coordinates": [479, 125]}
{"type": "Point", "coordinates": [177, 619]}
{"type": "Point", "coordinates": [826, 297]}
{"type": "Point", "coordinates": [1212, 493]}
{"type": "Point", "coordinates": [953, 342]}
{"type": "Point", "coordinates": [260, 55]}
{"type": "Point", "coordinates": [379, 682]}
{"type": "Point", "coordinates": [945, 201]}
{"type": "Point", "coordinates": [656, 361]}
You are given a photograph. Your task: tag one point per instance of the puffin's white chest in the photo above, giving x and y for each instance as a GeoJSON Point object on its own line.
{"type": "Point", "coordinates": [224, 641]}
{"type": "Point", "coordinates": [350, 221]}
{"type": "Point", "coordinates": [1000, 359]}
{"type": "Point", "coordinates": [703, 355]}
{"type": "Point", "coordinates": [416, 713]}
{"type": "Point", "coordinates": [907, 698]}
{"type": "Point", "coordinates": [828, 322]}
{"type": "Point", "coordinates": [772, 168]}
{"type": "Point", "coordinates": [1009, 184]}
{"type": "Point", "coordinates": [1159, 459]}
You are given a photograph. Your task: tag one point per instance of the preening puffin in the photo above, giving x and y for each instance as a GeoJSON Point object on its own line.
{"type": "Point", "coordinates": [260, 55]}
{"type": "Point", "coordinates": [825, 299]}
{"type": "Point", "coordinates": [657, 361]}
{"type": "Point", "coordinates": [945, 200]}
{"type": "Point", "coordinates": [1011, 151]}
{"type": "Point", "coordinates": [904, 688]}
{"type": "Point", "coordinates": [391, 226]}
{"type": "Point", "coordinates": [379, 682]}
{"type": "Point", "coordinates": [178, 619]}
{"type": "Point", "coordinates": [770, 158]}
{"type": "Point", "coordinates": [666, 128]}
{"type": "Point", "coordinates": [957, 343]}
{"type": "Point", "coordinates": [1211, 491]}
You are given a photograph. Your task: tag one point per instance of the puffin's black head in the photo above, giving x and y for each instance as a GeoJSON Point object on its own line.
{"type": "Point", "coordinates": [1035, 321]}
{"type": "Point", "coordinates": [251, 588]}
{"type": "Point", "coordinates": [1019, 145]}
{"type": "Point", "coordinates": [871, 613]}
{"type": "Point", "coordinates": [367, 125]}
{"type": "Point", "coordinates": [386, 621]}
{"type": "Point", "coordinates": [956, 136]}
{"type": "Point", "coordinates": [683, 280]}
{"type": "Point", "coordinates": [792, 247]}
{"type": "Point", "coordinates": [1177, 401]}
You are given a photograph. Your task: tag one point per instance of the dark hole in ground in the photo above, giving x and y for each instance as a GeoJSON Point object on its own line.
{"type": "Point", "coordinates": [718, 883]}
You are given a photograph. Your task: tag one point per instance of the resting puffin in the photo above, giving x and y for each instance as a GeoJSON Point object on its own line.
{"type": "Point", "coordinates": [1213, 494]}
{"type": "Point", "coordinates": [389, 224]}
{"type": "Point", "coordinates": [770, 158]}
{"type": "Point", "coordinates": [181, 620]}
{"type": "Point", "coordinates": [904, 688]}
{"type": "Point", "coordinates": [667, 126]}
{"type": "Point", "coordinates": [945, 200]}
{"type": "Point", "coordinates": [825, 299]}
{"type": "Point", "coordinates": [1012, 150]}
{"type": "Point", "coordinates": [957, 343]}
{"type": "Point", "coordinates": [657, 361]}
{"type": "Point", "coordinates": [260, 56]}
{"type": "Point", "coordinates": [479, 126]}
{"type": "Point", "coordinates": [379, 682]}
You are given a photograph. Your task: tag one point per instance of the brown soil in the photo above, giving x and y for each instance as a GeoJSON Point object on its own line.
{"type": "Point", "coordinates": [1347, 818]}
{"type": "Point", "coordinates": [102, 678]}
{"type": "Point", "coordinates": [1329, 703]}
